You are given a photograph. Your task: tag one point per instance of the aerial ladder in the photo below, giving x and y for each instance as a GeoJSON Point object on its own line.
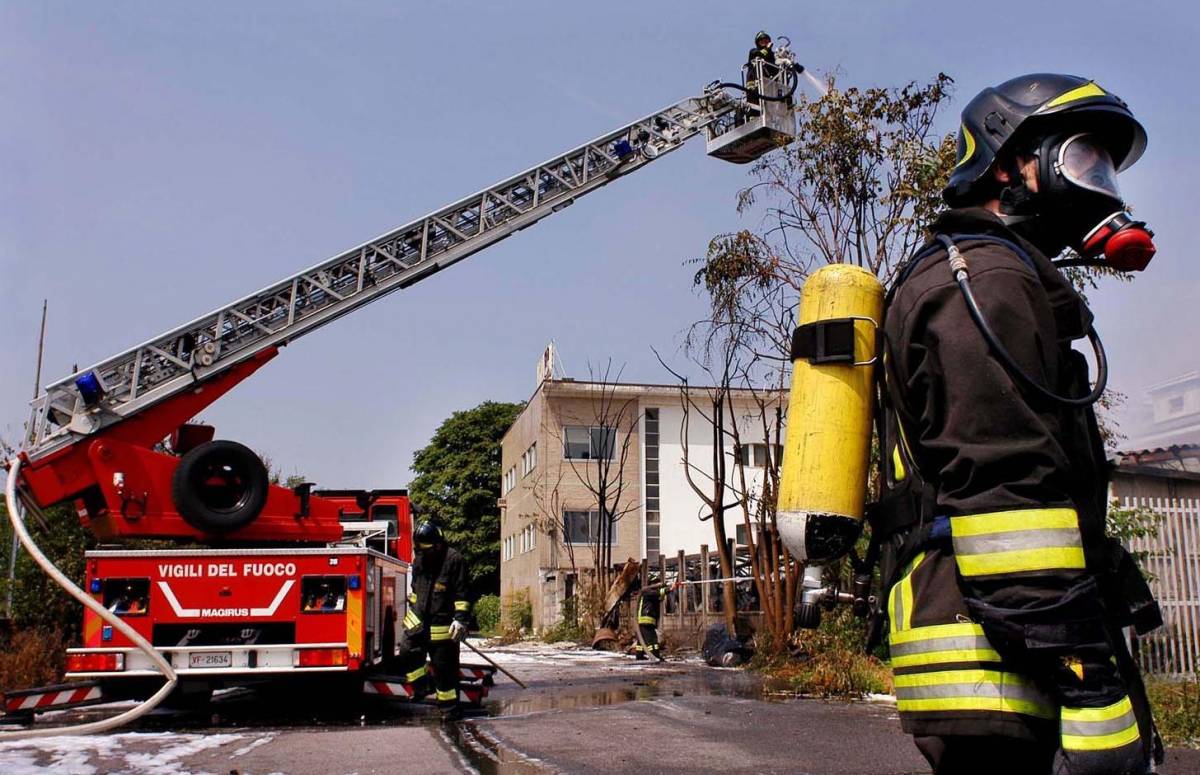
{"type": "Point", "coordinates": [96, 435]}
{"type": "Point", "coordinates": [117, 437]}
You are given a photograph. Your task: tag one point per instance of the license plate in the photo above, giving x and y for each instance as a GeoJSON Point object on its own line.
{"type": "Point", "coordinates": [210, 659]}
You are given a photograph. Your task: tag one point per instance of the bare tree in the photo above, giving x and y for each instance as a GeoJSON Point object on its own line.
{"type": "Point", "coordinates": [711, 406]}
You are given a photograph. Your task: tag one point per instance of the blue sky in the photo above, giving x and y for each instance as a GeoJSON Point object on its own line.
{"type": "Point", "coordinates": [159, 159]}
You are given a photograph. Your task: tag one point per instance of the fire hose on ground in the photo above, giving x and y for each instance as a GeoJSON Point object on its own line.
{"type": "Point", "coordinates": [16, 510]}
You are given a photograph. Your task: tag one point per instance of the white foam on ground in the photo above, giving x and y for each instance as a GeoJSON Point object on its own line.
{"type": "Point", "coordinates": [245, 749]}
{"type": "Point", "coordinates": [157, 753]}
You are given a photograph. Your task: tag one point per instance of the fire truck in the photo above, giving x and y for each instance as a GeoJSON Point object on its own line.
{"type": "Point", "coordinates": [288, 581]}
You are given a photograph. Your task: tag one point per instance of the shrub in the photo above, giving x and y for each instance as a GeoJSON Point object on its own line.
{"type": "Point", "coordinates": [518, 613]}
{"type": "Point", "coordinates": [569, 627]}
{"type": "Point", "coordinates": [828, 661]}
{"type": "Point", "coordinates": [1176, 710]}
{"type": "Point", "coordinates": [487, 614]}
{"type": "Point", "coordinates": [32, 657]}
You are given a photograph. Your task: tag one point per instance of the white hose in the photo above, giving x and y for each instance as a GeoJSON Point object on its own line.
{"type": "Point", "coordinates": [15, 515]}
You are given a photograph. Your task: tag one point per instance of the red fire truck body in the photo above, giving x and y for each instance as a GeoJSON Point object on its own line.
{"type": "Point", "coordinates": [227, 616]}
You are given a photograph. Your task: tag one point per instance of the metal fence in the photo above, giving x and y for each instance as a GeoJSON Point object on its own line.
{"type": "Point", "coordinates": [1172, 559]}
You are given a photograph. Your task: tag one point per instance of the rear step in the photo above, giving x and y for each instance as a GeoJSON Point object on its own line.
{"type": "Point", "coordinates": [26, 702]}
{"type": "Point", "coordinates": [474, 684]}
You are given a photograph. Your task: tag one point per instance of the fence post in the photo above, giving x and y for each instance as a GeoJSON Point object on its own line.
{"type": "Point", "coordinates": [662, 578]}
{"type": "Point", "coordinates": [683, 591]}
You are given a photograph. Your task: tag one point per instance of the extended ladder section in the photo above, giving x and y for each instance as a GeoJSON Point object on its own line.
{"type": "Point", "coordinates": [167, 365]}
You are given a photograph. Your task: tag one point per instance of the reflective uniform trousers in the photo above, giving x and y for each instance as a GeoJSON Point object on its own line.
{"type": "Point", "coordinates": [435, 642]}
{"type": "Point", "coordinates": [647, 621]}
{"type": "Point", "coordinates": [1011, 690]}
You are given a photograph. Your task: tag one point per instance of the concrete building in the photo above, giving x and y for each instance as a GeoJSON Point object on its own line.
{"type": "Point", "coordinates": [574, 439]}
{"type": "Point", "coordinates": [1170, 414]}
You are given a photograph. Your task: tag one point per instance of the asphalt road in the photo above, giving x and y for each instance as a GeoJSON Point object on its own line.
{"type": "Point", "coordinates": [583, 713]}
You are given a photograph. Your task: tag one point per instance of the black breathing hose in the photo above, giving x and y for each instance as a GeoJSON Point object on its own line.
{"type": "Point", "coordinates": [958, 266]}
{"type": "Point", "coordinates": [795, 71]}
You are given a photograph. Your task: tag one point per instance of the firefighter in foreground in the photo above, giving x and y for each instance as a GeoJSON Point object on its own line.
{"type": "Point", "coordinates": [649, 606]}
{"type": "Point", "coordinates": [1005, 619]}
{"type": "Point", "coordinates": [437, 616]}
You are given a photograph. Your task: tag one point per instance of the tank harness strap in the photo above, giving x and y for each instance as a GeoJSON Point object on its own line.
{"type": "Point", "coordinates": [825, 341]}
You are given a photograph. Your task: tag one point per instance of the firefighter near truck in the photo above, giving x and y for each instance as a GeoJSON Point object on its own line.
{"type": "Point", "coordinates": [288, 581]}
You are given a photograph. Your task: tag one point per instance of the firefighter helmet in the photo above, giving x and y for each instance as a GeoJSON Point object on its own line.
{"type": "Point", "coordinates": [427, 534]}
{"type": "Point", "coordinates": [762, 34]}
{"type": "Point", "coordinates": [1027, 107]}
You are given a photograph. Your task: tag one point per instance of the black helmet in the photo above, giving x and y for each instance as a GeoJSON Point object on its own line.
{"type": "Point", "coordinates": [428, 534]}
{"type": "Point", "coordinates": [762, 34]}
{"type": "Point", "coordinates": [1018, 111]}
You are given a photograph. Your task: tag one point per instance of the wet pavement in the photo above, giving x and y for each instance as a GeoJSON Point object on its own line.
{"type": "Point", "coordinates": [584, 712]}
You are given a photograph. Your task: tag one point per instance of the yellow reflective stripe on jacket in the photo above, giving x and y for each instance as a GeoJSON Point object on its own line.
{"type": "Point", "coordinates": [971, 690]}
{"type": "Point", "coordinates": [415, 675]}
{"type": "Point", "coordinates": [439, 632]}
{"type": "Point", "coordinates": [447, 695]}
{"type": "Point", "coordinates": [642, 618]}
{"type": "Point", "coordinates": [941, 644]}
{"type": "Point", "coordinates": [411, 620]}
{"type": "Point", "coordinates": [412, 597]}
{"type": "Point", "coordinates": [1017, 541]}
{"type": "Point", "coordinates": [900, 599]}
{"type": "Point", "coordinates": [1099, 729]}
{"type": "Point", "coordinates": [462, 605]}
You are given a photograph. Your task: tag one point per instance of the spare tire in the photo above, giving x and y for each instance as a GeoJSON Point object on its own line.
{"type": "Point", "coordinates": [220, 486]}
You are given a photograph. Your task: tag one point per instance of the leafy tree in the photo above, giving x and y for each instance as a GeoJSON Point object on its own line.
{"type": "Point", "coordinates": [458, 483]}
{"type": "Point", "coordinates": [37, 601]}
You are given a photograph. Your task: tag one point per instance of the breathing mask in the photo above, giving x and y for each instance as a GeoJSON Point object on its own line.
{"type": "Point", "coordinates": [1078, 205]}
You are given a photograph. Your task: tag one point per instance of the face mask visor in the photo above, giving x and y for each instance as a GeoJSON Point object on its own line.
{"type": "Point", "coordinates": [1087, 164]}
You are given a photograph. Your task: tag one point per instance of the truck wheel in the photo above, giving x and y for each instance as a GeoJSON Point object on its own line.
{"type": "Point", "coordinates": [220, 486]}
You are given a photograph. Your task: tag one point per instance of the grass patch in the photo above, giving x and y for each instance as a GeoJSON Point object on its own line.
{"type": "Point", "coordinates": [1176, 710]}
{"type": "Point", "coordinates": [826, 662]}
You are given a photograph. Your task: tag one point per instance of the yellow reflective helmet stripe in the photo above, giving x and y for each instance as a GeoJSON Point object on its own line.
{"type": "Point", "coordinates": [1098, 729]}
{"type": "Point", "coordinates": [1078, 93]}
{"type": "Point", "coordinates": [968, 146]}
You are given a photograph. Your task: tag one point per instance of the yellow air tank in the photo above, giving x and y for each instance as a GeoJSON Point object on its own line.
{"type": "Point", "coordinates": [823, 478]}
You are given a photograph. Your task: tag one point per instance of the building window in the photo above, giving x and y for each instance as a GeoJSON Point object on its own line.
{"type": "Point", "coordinates": [510, 479]}
{"type": "Point", "coordinates": [755, 455]}
{"type": "Point", "coordinates": [740, 533]}
{"type": "Point", "coordinates": [528, 538]}
{"type": "Point", "coordinates": [651, 491]}
{"type": "Point", "coordinates": [529, 460]}
{"type": "Point", "coordinates": [583, 527]}
{"type": "Point", "coordinates": [508, 548]}
{"type": "Point", "coordinates": [1175, 404]}
{"type": "Point", "coordinates": [583, 442]}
